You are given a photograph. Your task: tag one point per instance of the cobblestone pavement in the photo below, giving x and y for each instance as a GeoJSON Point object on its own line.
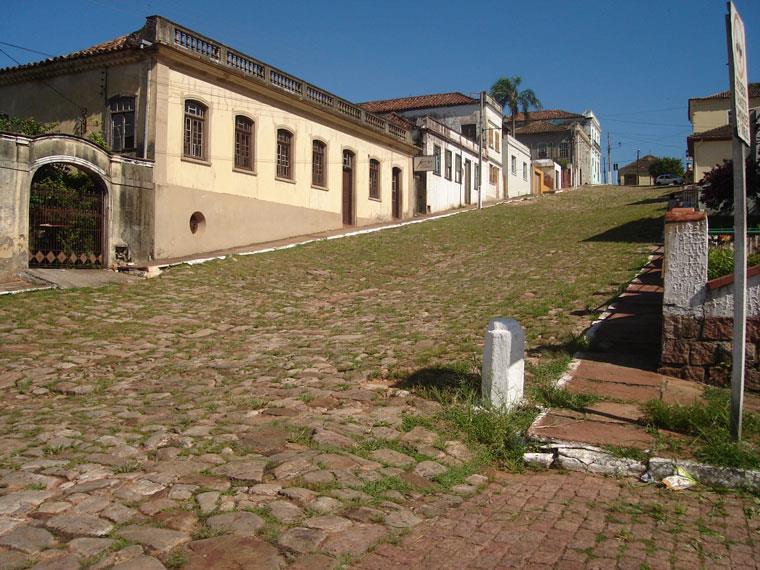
{"type": "Point", "coordinates": [555, 520]}
{"type": "Point", "coordinates": [244, 413]}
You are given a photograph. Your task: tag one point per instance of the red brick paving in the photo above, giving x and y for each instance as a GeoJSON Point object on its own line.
{"type": "Point", "coordinates": [574, 520]}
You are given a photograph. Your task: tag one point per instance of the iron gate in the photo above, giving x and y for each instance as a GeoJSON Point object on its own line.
{"type": "Point", "coordinates": [65, 224]}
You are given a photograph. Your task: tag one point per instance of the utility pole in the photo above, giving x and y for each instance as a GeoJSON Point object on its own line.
{"type": "Point", "coordinates": [480, 151]}
{"type": "Point", "coordinates": [609, 164]}
{"type": "Point", "coordinates": [637, 168]}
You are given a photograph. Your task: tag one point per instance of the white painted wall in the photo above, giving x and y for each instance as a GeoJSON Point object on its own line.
{"type": "Point", "coordinates": [518, 181]}
{"type": "Point", "coordinates": [442, 193]}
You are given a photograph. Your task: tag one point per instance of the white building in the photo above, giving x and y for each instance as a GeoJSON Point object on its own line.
{"type": "Point", "coordinates": [455, 160]}
{"type": "Point", "coordinates": [461, 114]}
{"type": "Point", "coordinates": [594, 131]}
{"type": "Point", "coordinates": [517, 170]}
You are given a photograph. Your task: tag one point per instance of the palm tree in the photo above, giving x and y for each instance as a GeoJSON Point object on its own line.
{"type": "Point", "coordinates": [506, 91]}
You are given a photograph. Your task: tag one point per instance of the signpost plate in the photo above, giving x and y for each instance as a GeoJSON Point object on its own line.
{"type": "Point", "coordinates": [739, 80]}
{"type": "Point", "coordinates": [425, 163]}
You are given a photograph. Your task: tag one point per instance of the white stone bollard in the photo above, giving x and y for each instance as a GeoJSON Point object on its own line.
{"type": "Point", "coordinates": [503, 363]}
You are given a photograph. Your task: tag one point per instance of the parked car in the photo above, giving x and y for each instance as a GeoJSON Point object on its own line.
{"type": "Point", "coordinates": [668, 180]}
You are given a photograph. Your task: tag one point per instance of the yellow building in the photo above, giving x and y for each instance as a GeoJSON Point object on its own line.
{"type": "Point", "coordinates": [710, 141]}
{"type": "Point", "coordinates": [242, 152]}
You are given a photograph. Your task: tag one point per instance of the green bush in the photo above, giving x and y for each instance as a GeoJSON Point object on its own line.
{"type": "Point", "coordinates": [720, 261]}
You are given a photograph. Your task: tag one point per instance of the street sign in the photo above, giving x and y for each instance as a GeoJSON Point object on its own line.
{"type": "Point", "coordinates": [424, 163]}
{"type": "Point", "coordinates": [738, 55]}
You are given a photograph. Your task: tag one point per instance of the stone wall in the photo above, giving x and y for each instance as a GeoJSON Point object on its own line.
{"type": "Point", "coordinates": [697, 313]}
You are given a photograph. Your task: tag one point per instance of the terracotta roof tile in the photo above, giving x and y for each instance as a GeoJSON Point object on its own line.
{"type": "Point", "coordinates": [539, 127]}
{"type": "Point", "coordinates": [753, 88]}
{"type": "Point", "coordinates": [116, 44]}
{"type": "Point", "coordinates": [418, 102]}
{"type": "Point", "coordinates": [718, 133]}
{"type": "Point", "coordinates": [545, 115]}
{"type": "Point", "coordinates": [644, 163]}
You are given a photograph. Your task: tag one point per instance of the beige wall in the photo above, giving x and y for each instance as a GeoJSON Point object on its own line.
{"type": "Point", "coordinates": [304, 208]}
{"type": "Point", "coordinates": [707, 154]}
{"type": "Point", "coordinates": [709, 114]}
{"type": "Point", "coordinates": [89, 89]}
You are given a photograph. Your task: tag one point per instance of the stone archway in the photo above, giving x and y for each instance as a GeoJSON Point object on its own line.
{"type": "Point", "coordinates": [126, 216]}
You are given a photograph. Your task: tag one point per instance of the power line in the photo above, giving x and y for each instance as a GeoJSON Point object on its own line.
{"type": "Point", "coordinates": [27, 49]}
{"type": "Point", "coordinates": [45, 83]}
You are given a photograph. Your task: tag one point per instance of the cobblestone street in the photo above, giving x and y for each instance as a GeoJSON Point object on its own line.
{"type": "Point", "coordinates": [252, 413]}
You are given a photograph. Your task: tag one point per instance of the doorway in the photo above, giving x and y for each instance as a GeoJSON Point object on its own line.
{"type": "Point", "coordinates": [66, 218]}
{"type": "Point", "coordinates": [348, 188]}
{"type": "Point", "coordinates": [467, 182]}
{"type": "Point", "coordinates": [396, 193]}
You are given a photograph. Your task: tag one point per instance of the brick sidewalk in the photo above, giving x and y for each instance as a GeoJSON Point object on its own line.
{"type": "Point", "coordinates": [555, 520]}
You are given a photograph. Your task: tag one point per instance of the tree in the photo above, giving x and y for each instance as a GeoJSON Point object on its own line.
{"type": "Point", "coordinates": [666, 165]}
{"type": "Point", "coordinates": [718, 185]}
{"type": "Point", "coordinates": [31, 127]}
{"type": "Point", "coordinates": [506, 91]}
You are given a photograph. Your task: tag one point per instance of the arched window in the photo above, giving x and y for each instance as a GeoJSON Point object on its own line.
{"type": "Point", "coordinates": [244, 142]}
{"type": "Point", "coordinates": [318, 162]}
{"type": "Point", "coordinates": [284, 154]}
{"type": "Point", "coordinates": [374, 179]}
{"type": "Point", "coordinates": [195, 130]}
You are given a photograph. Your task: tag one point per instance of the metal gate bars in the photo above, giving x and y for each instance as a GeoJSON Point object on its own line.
{"type": "Point", "coordinates": [65, 222]}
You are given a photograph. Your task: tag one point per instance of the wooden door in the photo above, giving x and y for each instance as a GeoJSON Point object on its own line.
{"type": "Point", "coordinates": [467, 182]}
{"type": "Point", "coordinates": [396, 193]}
{"type": "Point", "coordinates": [348, 188]}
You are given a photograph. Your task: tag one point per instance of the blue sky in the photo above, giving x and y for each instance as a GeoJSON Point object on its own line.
{"type": "Point", "coordinates": [634, 63]}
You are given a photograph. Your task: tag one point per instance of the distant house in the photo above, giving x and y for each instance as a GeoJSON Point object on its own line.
{"type": "Point", "coordinates": [551, 174]}
{"type": "Point", "coordinates": [517, 170]}
{"type": "Point", "coordinates": [570, 139]}
{"type": "Point", "coordinates": [455, 172]}
{"type": "Point", "coordinates": [710, 141]}
{"type": "Point", "coordinates": [637, 172]}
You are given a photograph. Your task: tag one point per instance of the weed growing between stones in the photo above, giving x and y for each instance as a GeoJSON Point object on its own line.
{"type": "Point", "coordinates": [707, 422]}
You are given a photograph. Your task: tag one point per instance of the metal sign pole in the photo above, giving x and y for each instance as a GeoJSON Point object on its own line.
{"type": "Point", "coordinates": [740, 118]}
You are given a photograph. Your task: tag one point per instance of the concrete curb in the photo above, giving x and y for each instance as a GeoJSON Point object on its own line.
{"type": "Point", "coordinates": [574, 456]}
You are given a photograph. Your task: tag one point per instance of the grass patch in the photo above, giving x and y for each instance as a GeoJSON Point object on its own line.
{"type": "Point", "coordinates": [552, 396]}
{"type": "Point", "coordinates": [376, 489]}
{"type": "Point", "coordinates": [707, 422]}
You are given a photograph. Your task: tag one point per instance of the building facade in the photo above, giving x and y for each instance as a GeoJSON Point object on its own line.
{"type": "Point", "coordinates": [566, 138]}
{"type": "Point", "coordinates": [517, 170]}
{"type": "Point", "coordinates": [242, 152]}
{"type": "Point", "coordinates": [636, 173]}
{"type": "Point", "coordinates": [710, 142]}
{"type": "Point", "coordinates": [460, 114]}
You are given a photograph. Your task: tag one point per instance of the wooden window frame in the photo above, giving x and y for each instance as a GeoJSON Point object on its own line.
{"type": "Point", "coordinates": [120, 109]}
{"type": "Point", "coordinates": [316, 182]}
{"type": "Point", "coordinates": [194, 127]}
{"type": "Point", "coordinates": [374, 179]}
{"type": "Point", "coordinates": [458, 169]}
{"type": "Point", "coordinates": [513, 164]}
{"type": "Point", "coordinates": [240, 135]}
{"type": "Point", "coordinates": [447, 164]}
{"type": "Point", "coordinates": [436, 160]}
{"type": "Point", "coordinates": [285, 156]}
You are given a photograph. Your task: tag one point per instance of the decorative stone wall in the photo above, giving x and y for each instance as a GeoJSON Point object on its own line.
{"type": "Point", "coordinates": [697, 313]}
